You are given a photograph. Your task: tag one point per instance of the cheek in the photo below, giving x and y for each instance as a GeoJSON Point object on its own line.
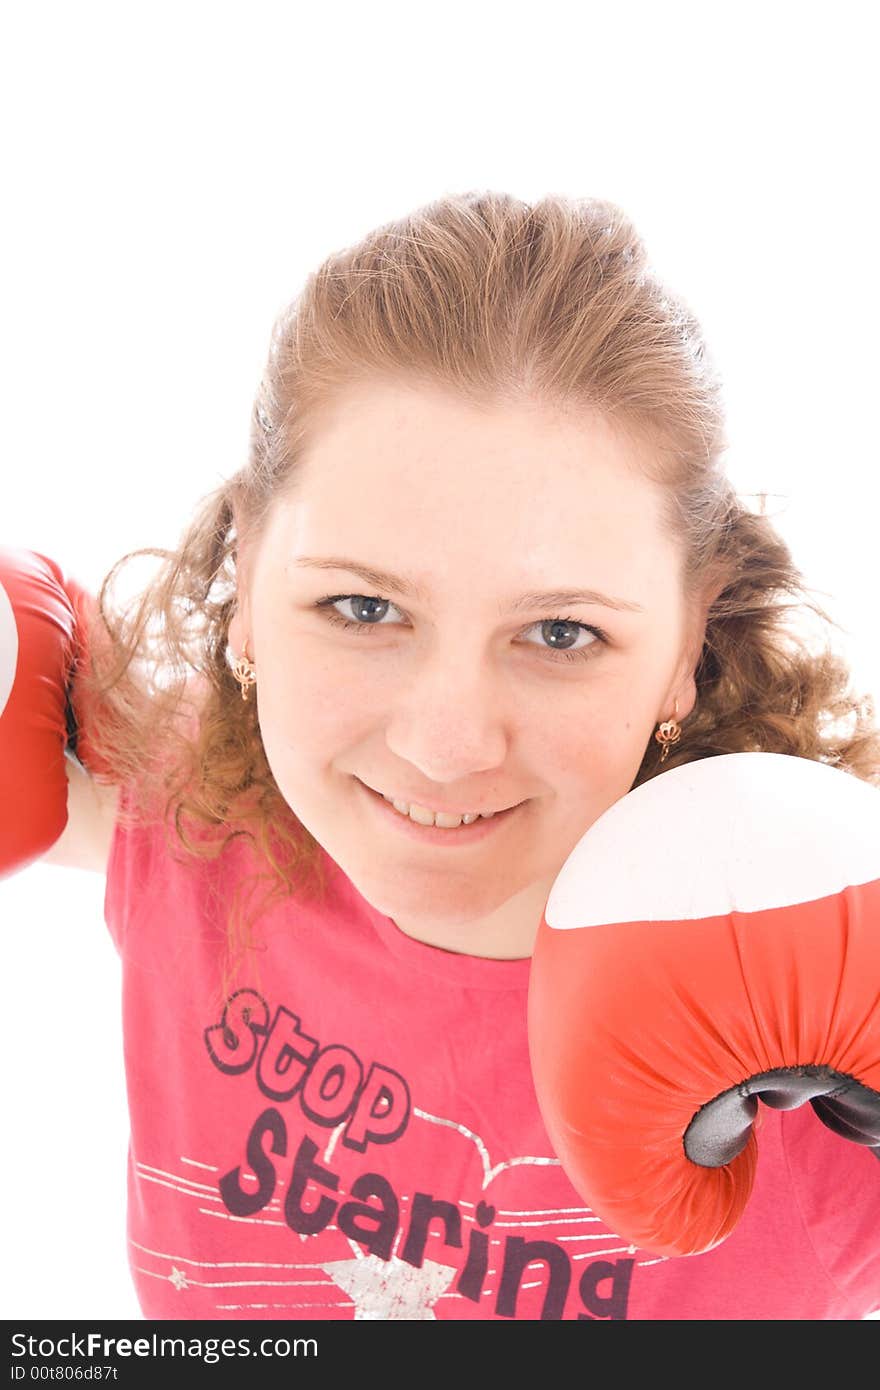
{"type": "Point", "coordinates": [592, 753]}
{"type": "Point", "coordinates": [309, 708]}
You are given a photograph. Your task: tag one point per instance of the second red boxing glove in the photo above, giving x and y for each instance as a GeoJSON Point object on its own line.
{"type": "Point", "coordinates": [711, 943]}
{"type": "Point", "coordinates": [45, 619]}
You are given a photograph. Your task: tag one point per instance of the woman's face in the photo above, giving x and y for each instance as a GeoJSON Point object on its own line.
{"type": "Point", "coordinates": [465, 680]}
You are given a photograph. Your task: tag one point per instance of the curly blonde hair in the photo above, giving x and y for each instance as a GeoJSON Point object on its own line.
{"type": "Point", "coordinates": [502, 300]}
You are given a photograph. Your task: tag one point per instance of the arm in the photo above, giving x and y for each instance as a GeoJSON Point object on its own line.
{"type": "Point", "coordinates": [84, 842]}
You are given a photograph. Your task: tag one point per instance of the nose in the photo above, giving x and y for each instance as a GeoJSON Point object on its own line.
{"type": "Point", "coordinates": [447, 718]}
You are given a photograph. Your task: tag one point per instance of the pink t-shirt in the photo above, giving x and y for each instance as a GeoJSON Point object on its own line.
{"type": "Point", "coordinates": [353, 1133]}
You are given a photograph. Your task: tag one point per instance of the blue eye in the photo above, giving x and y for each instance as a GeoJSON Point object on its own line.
{"type": "Point", "coordinates": [364, 607]}
{"type": "Point", "coordinates": [369, 611]}
{"type": "Point", "coordinates": [550, 630]}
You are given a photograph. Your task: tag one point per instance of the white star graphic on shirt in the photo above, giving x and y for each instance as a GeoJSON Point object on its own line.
{"type": "Point", "coordinates": [387, 1290]}
{"type": "Point", "coordinates": [178, 1278]}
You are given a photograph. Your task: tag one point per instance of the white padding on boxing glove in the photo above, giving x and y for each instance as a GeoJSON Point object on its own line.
{"type": "Point", "coordinates": [654, 856]}
{"type": "Point", "coordinates": [8, 648]}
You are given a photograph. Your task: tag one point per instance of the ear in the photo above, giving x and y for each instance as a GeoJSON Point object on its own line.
{"type": "Point", "coordinates": [683, 689]}
{"type": "Point", "coordinates": [239, 630]}
{"type": "Point", "coordinates": [683, 695]}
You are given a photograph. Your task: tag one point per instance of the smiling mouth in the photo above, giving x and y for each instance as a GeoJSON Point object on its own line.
{"type": "Point", "coordinates": [446, 823]}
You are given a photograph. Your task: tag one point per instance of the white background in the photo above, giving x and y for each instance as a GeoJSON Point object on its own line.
{"type": "Point", "coordinates": [170, 175]}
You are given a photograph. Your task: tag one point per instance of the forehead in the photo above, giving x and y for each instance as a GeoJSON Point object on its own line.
{"type": "Point", "coordinates": [396, 473]}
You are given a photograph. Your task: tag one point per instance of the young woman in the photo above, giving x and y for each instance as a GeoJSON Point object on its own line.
{"type": "Point", "coordinates": [481, 575]}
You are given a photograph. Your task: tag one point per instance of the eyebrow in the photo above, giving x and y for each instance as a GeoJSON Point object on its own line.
{"type": "Point", "coordinates": [381, 579]}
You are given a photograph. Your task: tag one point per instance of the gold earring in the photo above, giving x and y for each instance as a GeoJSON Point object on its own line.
{"type": "Point", "coordinates": [668, 733]}
{"type": "Point", "coordinates": [244, 672]}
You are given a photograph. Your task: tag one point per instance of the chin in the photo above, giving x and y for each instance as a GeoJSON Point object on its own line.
{"type": "Point", "coordinates": [446, 905]}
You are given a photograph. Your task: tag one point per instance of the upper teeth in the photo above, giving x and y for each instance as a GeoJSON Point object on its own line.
{"type": "Point", "coordinates": [423, 816]}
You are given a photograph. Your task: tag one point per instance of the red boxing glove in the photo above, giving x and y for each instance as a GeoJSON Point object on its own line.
{"type": "Point", "coordinates": [44, 623]}
{"type": "Point", "coordinates": [712, 941]}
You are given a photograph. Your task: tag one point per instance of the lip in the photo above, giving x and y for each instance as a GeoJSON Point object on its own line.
{"type": "Point", "coordinates": [445, 810]}
{"type": "Point", "coordinates": [433, 834]}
